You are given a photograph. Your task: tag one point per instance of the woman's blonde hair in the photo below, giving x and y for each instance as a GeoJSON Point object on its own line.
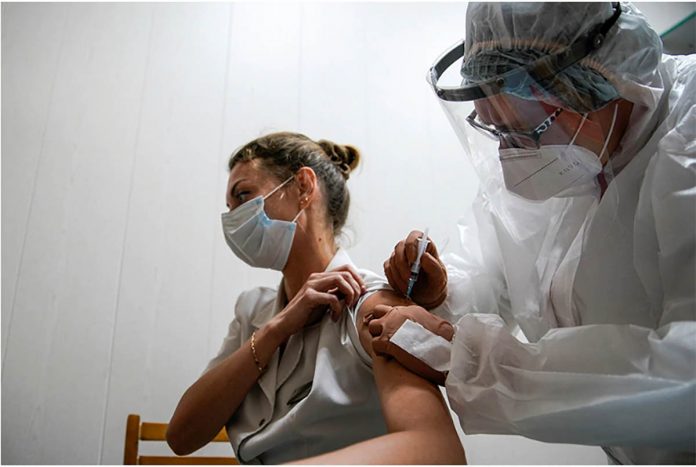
{"type": "Point", "coordinates": [284, 153]}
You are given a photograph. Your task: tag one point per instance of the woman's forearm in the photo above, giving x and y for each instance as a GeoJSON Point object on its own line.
{"type": "Point", "coordinates": [209, 403]}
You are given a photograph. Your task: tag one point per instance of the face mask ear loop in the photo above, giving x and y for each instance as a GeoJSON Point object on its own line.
{"type": "Point", "coordinates": [298, 215]}
{"type": "Point", "coordinates": [611, 130]}
{"type": "Point", "coordinates": [278, 187]}
{"type": "Point", "coordinates": [577, 132]}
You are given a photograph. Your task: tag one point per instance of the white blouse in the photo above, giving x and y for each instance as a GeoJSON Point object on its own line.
{"type": "Point", "coordinates": [319, 396]}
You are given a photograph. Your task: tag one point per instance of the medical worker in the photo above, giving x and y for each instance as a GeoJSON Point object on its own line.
{"type": "Point", "coordinates": [574, 297]}
{"type": "Point", "coordinates": [295, 375]}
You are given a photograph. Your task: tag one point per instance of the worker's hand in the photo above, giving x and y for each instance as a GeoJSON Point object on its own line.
{"type": "Point", "coordinates": [431, 288]}
{"type": "Point", "coordinates": [329, 291]}
{"type": "Point", "coordinates": [385, 320]}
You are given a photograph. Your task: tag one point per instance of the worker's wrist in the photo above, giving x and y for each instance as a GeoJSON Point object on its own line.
{"type": "Point", "coordinates": [437, 301]}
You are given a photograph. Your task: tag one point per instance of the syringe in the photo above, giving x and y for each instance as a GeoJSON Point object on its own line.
{"type": "Point", "coordinates": [415, 267]}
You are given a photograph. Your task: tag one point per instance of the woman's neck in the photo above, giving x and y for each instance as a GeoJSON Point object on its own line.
{"type": "Point", "coordinates": [312, 253]}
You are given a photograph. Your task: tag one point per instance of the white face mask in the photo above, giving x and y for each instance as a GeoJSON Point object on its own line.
{"type": "Point", "coordinates": [255, 238]}
{"type": "Point", "coordinates": [539, 174]}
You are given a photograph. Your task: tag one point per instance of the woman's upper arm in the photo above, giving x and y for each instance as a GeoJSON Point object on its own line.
{"type": "Point", "coordinates": [420, 428]}
{"type": "Point", "coordinates": [400, 390]}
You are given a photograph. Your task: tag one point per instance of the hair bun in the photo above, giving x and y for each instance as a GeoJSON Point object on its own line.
{"type": "Point", "coordinates": [344, 157]}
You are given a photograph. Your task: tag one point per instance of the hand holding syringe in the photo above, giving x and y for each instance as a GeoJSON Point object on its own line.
{"type": "Point", "coordinates": [416, 259]}
{"type": "Point", "coordinates": [415, 267]}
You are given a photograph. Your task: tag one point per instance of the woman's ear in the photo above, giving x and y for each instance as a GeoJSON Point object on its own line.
{"type": "Point", "coordinates": [307, 185]}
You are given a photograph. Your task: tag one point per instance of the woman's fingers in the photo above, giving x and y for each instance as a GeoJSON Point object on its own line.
{"type": "Point", "coordinates": [340, 282]}
{"type": "Point", "coordinates": [336, 288]}
{"type": "Point", "coordinates": [351, 276]}
{"type": "Point", "coordinates": [325, 298]}
{"type": "Point", "coordinates": [345, 289]}
{"type": "Point", "coordinates": [357, 287]}
{"type": "Point", "coordinates": [354, 275]}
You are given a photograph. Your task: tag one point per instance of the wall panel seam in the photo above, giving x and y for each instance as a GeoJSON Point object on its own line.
{"type": "Point", "coordinates": [217, 167]}
{"type": "Point", "coordinates": [125, 237]}
{"type": "Point", "coordinates": [59, 56]}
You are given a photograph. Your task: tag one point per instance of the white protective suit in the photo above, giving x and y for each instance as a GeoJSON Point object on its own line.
{"type": "Point", "coordinates": [602, 287]}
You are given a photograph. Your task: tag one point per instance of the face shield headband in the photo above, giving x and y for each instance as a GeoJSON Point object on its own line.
{"type": "Point", "coordinates": [539, 71]}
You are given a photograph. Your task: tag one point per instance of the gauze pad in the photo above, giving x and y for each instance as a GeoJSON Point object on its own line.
{"type": "Point", "coordinates": [424, 345]}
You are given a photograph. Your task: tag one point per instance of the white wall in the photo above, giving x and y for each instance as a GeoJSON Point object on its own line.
{"type": "Point", "coordinates": [665, 15]}
{"type": "Point", "coordinates": [117, 120]}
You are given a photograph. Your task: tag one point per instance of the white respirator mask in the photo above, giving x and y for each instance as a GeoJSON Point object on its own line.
{"type": "Point", "coordinates": [256, 239]}
{"type": "Point", "coordinates": [539, 174]}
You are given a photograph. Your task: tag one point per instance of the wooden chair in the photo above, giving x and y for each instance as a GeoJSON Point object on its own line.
{"type": "Point", "coordinates": [146, 431]}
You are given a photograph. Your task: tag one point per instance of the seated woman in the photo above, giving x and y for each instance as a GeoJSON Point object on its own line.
{"type": "Point", "coordinates": [296, 376]}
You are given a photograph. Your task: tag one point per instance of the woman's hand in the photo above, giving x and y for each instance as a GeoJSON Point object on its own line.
{"type": "Point", "coordinates": [324, 291]}
{"type": "Point", "coordinates": [386, 320]}
{"type": "Point", "coordinates": [431, 288]}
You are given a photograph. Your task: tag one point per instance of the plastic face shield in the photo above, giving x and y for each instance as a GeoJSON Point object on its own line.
{"type": "Point", "coordinates": [509, 140]}
{"type": "Point", "coordinates": [515, 109]}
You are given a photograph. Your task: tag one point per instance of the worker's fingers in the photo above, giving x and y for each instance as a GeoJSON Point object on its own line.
{"type": "Point", "coordinates": [400, 252]}
{"type": "Point", "coordinates": [390, 275]}
{"type": "Point", "coordinates": [381, 346]}
{"type": "Point", "coordinates": [435, 270]}
{"type": "Point", "coordinates": [394, 276]}
{"type": "Point", "coordinates": [432, 249]}
{"type": "Point", "coordinates": [400, 266]}
{"type": "Point", "coordinates": [411, 246]}
{"type": "Point", "coordinates": [375, 327]}
{"type": "Point", "coordinates": [381, 310]}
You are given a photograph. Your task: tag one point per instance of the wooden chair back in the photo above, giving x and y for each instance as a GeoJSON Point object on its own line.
{"type": "Point", "coordinates": [148, 431]}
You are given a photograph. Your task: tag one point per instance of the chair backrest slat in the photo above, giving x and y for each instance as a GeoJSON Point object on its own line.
{"type": "Point", "coordinates": [153, 431]}
{"type": "Point", "coordinates": [158, 432]}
